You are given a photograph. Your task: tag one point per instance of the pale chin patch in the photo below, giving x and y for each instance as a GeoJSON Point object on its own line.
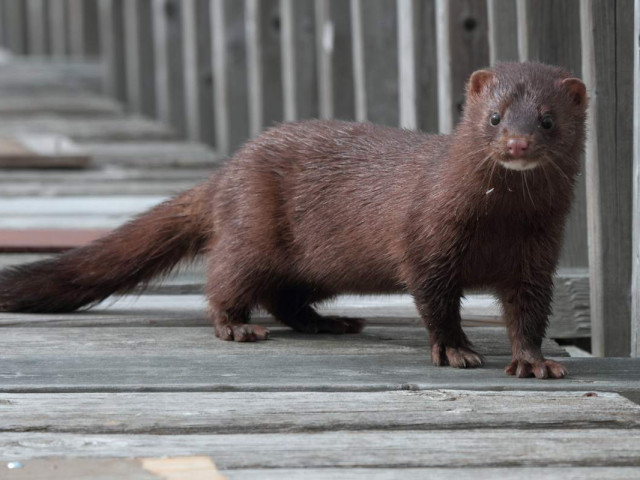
{"type": "Point", "coordinates": [520, 164]}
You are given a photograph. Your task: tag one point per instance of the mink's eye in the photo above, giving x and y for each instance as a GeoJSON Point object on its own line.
{"type": "Point", "coordinates": [547, 122]}
{"type": "Point", "coordinates": [494, 119]}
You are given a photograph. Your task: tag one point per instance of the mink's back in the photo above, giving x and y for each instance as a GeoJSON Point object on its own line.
{"type": "Point", "coordinates": [328, 198]}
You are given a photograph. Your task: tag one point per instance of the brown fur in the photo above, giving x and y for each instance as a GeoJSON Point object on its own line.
{"type": "Point", "coordinates": [310, 210]}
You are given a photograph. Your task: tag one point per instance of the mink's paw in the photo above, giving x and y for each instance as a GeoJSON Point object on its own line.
{"type": "Point", "coordinates": [539, 368]}
{"type": "Point", "coordinates": [241, 333]}
{"type": "Point", "coordinates": [458, 357]}
{"type": "Point", "coordinates": [340, 325]}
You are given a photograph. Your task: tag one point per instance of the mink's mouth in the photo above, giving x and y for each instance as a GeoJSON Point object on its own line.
{"type": "Point", "coordinates": [520, 164]}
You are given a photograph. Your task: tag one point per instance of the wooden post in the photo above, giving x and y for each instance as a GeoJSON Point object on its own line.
{"type": "Point", "coordinates": [606, 30]}
{"type": "Point", "coordinates": [219, 53]}
{"type": "Point", "coordinates": [635, 290]}
{"type": "Point", "coordinates": [132, 56]}
{"type": "Point", "coordinates": [407, 64]}
{"type": "Point", "coordinates": [357, 42]}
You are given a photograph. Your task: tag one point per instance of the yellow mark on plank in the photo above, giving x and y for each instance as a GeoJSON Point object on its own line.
{"type": "Point", "coordinates": [182, 468]}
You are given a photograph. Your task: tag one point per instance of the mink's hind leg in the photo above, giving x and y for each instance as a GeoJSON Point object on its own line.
{"type": "Point", "coordinates": [231, 295]}
{"type": "Point", "coordinates": [292, 306]}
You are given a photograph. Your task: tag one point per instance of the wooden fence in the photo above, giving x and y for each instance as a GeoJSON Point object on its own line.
{"type": "Point", "coordinates": [220, 71]}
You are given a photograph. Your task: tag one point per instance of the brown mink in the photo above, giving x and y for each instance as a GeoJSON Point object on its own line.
{"type": "Point", "coordinates": [313, 209]}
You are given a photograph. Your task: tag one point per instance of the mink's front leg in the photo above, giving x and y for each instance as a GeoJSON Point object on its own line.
{"type": "Point", "coordinates": [438, 301]}
{"type": "Point", "coordinates": [526, 310]}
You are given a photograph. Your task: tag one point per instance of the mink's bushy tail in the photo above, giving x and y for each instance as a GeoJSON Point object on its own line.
{"type": "Point", "coordinates": [133, 254]}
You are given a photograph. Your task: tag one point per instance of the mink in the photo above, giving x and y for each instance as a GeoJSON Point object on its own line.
{"type": "Point", "coordinates": [313, 209]}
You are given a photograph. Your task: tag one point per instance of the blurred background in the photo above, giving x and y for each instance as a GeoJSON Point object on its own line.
{"type": "Point", "coordinates": [109, 106]}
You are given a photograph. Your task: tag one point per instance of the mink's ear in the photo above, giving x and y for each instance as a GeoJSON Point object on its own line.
{"type": "Point", "coordinates": [479, 80]}
{"type": "Point", "coordinates": [576, 90]}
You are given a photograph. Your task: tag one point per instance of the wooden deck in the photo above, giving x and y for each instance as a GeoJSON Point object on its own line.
{"type": "Point", "coordinates": [145, 377]}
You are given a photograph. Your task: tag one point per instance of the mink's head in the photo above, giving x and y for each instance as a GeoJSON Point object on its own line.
{"type": "Point", "coordinates": [526, 114]}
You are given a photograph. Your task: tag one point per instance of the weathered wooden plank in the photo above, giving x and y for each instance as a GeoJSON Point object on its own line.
{"type": "Point", "coordinates": [89, 128]}
{"type": "Point", "coordinates": [502, 25]}
{"type": "Point", "coordinates": [254, 368]}
{"type": "Point", "coordinates": [635, 257]}
{"type": "Point", "coordinates": [90, 29]}
{"type": "Point", "coordinates": [172, 12]}
{"type": "Point", "coordinates": [63, 103]}
{"type": "Point", "coordinates": [41, 151]}
{"type": "Point", "coordinates": [191, 68]}
{"type": "Point", "coordinates": [171, 413]}
{"type": "Point", "coordinates": [160, 154]}
{"type": "Point", "coordinates": [606, 28]}
{"type": "Point", "coordinates": [200, 342]}
{"type": "Point", "coordinates": [76, 28]}
{"type": "Point", "coordinates": [516, 473]}
{"type": "Point", "coordinates": [523, 30]}
{"type": "Point", "coordinates": [253, 27]}
{"type": "Point", "coordinates": [204, 72]}
{"type": "Point", "coordinates": [475, 448]}
{"type": "Point", "coordinates": [32, 76]}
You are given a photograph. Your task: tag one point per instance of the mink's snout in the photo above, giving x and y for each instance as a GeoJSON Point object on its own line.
{"type": "Point", "coordinates": [517, 147]}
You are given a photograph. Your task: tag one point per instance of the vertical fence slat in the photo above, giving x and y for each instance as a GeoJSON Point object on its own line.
{"type": "Point", "coordinates": [635, 286]}
{"type": "Point", "coordinates": [343, 69]}
{"type": "Point", "coordinates": [112, 47]}
{"type": "Point", "coordinates": [426, 66]}
{"type": "Point", "coordinates": [58, 28]}
{"type": "Point", "coordinates": [325, 45]}
{"type": "Point", "coordinates": [161, 61]}
{"type": "Point", "coordinates": [76, 14]}
{"type": "Point", "coordinates": [254, 66]}
{"type": "Point", "coordinates": [91, 31]}
{"type": "Point", "coordinates": [221, 105]}
{"type": "Point", "coordinates": [132, 56]}
{"type": "Point", "coordinates": [523, 30]}
{"type": "Point", "coordinates": [288, 48]}
{"type": "Point", "coordinates": [270, 30]}
{"type": "Point", "coordinates": [190, 62]}
{"type": "Point", "coordinates": [163, 87]}
{"type": "Point", "coordinates": [14, 21]}
{"type": "Point", "coordinates": [445, 117]}
{"type": "Point", "coordinates": [469, 47]}
{"type": "Point", "coordinates": [503, 31]}
{"type": "Point", "coordinates": [359, 81]}
{"type": "Point", "coordinates": [407, 64]}
{"type": "Point", "coordinates": [561, 45]}
{"type": "Point", "coordinates": [36, 27]}
{"type": "Point", "coordinates": [380, 36]}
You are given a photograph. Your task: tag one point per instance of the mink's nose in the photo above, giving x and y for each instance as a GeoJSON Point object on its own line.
{"type": "Point", "coordinates": [517, 146]}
